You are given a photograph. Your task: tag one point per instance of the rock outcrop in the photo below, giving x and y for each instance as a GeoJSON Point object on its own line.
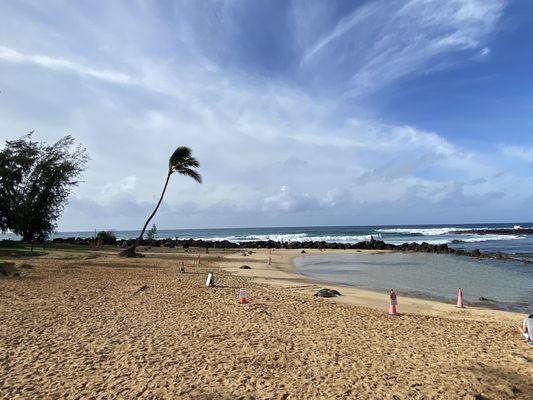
{"type": "Point", "coordinates": [321, 245]}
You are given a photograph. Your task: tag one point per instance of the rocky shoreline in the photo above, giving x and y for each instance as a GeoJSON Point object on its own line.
{"type": "Point", "coordinates": [322, 245]}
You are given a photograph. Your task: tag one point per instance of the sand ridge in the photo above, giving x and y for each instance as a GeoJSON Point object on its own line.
{"type": "Point", "coordinates": [76, 329]}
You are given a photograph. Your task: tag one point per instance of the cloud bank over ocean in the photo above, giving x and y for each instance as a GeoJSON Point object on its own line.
{"type": "Point", "coordinates": [282, 103]}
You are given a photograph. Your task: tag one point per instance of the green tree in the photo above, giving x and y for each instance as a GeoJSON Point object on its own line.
{"type": "Point", "coordinates": [182, 162]}
{"type": "Point", "coordinates": [151, 232]}
{"type": "Point", "coordinates": [35, 182]}
{"type": "Point", "coordinates": [106, 237]}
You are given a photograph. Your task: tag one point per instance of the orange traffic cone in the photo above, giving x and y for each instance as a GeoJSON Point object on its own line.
{"type": "Point", "coordinates": [243, 296]}
{"type": "Point", "coordinates": [460, 299]}
{"type": "Point", "coordinates": [393, 303]}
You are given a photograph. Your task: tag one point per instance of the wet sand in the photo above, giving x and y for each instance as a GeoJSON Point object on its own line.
{"type": "Point", "coordinates": [73, 328]}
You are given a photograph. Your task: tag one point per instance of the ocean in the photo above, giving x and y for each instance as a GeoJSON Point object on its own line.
{"type": "Point", "coordinates": [507, 285]}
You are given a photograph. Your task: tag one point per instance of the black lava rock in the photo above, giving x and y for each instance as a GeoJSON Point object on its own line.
{"type": "Point", "coordinates": [327, 293]}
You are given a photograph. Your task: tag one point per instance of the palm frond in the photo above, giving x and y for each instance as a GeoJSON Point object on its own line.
{"type": "Point", "coordinates": [181, 153]}
{"type": "Point", "coordinates": [184, 163]}
{"type": "Point", "coordinates": [191, 173]}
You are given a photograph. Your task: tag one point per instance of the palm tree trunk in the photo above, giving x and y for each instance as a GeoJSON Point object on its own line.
{"type": "Point", "coordinates": [130, 251]}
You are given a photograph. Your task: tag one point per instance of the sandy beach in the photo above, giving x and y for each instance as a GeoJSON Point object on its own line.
{"type": "Point", "coordinates": [266, 200]}
{"type": "Point", "coordinates": [92, 325]}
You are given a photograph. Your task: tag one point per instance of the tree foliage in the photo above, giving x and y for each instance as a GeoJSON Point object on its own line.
{"type": "Point", "coordinates": [151, 232]}
{"type": "Point", "coordinates": [106, 237]}
{"type": "Point", "coordinates": [182, 162]}
{"type": "Point", "coordinates": [35, 182]}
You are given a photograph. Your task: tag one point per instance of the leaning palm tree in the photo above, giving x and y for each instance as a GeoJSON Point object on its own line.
{"type": "Point", "coordinates": [181, 162]}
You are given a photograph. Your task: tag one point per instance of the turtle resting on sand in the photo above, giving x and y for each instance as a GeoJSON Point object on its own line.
{"type": "Point", "coordinates": [327, 293]}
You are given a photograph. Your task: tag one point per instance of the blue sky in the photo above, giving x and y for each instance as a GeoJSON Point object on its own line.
{"type": "Point", "coordinates": [301, 113]}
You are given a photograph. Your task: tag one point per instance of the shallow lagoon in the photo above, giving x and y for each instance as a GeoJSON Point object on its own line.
{"type": "Point", "coordinates": [508, 284]}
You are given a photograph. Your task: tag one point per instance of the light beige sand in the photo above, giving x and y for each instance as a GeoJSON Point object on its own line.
{"type": "Point", "coordinates": [76, 329]}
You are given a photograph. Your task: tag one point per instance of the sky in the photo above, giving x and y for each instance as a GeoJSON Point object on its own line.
{"type": "Point", "coordinates": [301, 113]}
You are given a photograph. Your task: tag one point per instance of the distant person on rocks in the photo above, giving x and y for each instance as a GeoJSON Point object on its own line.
{"type": "Point", "coordinates": [527, 329]}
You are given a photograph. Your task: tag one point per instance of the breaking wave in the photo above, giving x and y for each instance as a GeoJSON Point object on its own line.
{"type": "Point", "coordinates": [488, 238]}
{"type": "Point", "coordinates": [304, 237]}
{"type": "Point", "coordinates": [485, 238]}
{"type": "Point", "coordinates": [293, 237]}
{"type": "Point", "coordinates": [422, 231]}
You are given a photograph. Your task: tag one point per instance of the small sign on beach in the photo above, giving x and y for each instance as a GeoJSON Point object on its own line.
{"type": "Point", "coordinates": [210, 282]}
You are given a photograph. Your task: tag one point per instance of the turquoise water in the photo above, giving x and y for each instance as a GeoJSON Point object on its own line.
{"type": "Point", "coordinates": [508, 284]}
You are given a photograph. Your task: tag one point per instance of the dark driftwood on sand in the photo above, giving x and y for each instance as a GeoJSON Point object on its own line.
{"type": "Point", "coordinates": [141, 289]}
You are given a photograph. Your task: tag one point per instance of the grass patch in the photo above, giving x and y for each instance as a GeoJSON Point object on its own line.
{"type": "Point", "coordinates": [10, 244]}
{"type": "Point", "coordinates": [14, 249]}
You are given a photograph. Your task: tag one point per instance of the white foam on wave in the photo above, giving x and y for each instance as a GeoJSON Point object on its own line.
{"type": "Point", "coordinates": [288, 237]}
{"type": "Point", "coordinates": [339, 239]}
{"type": "Point", "coordinates": [480, 238]}
{"type": "Point", "coordinates": [433, 241]}
{"type": "Point", "coordinates": [435, 231]}
{"type": "Point", "coordinates": [488, 238]}
{"type": "Point", "coordinates": [423, 231]}
{"type": "Point", "coordinates": [304, 237]}
{"type": "Point", "coordinates": [285, 237]}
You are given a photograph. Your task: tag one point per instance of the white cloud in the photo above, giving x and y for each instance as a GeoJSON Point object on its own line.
{"type": "Point", "coordinates": [520, 153]}
{"type": "Point", "coordinates": [126, 184]}
{"type": "Point", "coordinates": [287, 202]}
{"type": "Point", "coordinates": [385, 40]}
{"type": "Point", "coordinates": [61, 64]}
{"type": "Point", "coordinates": [455, 194]}
{"type": "Point", "coordinates": [250, 137]}
{"type": "Point", "coordinates": [344, 26]}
